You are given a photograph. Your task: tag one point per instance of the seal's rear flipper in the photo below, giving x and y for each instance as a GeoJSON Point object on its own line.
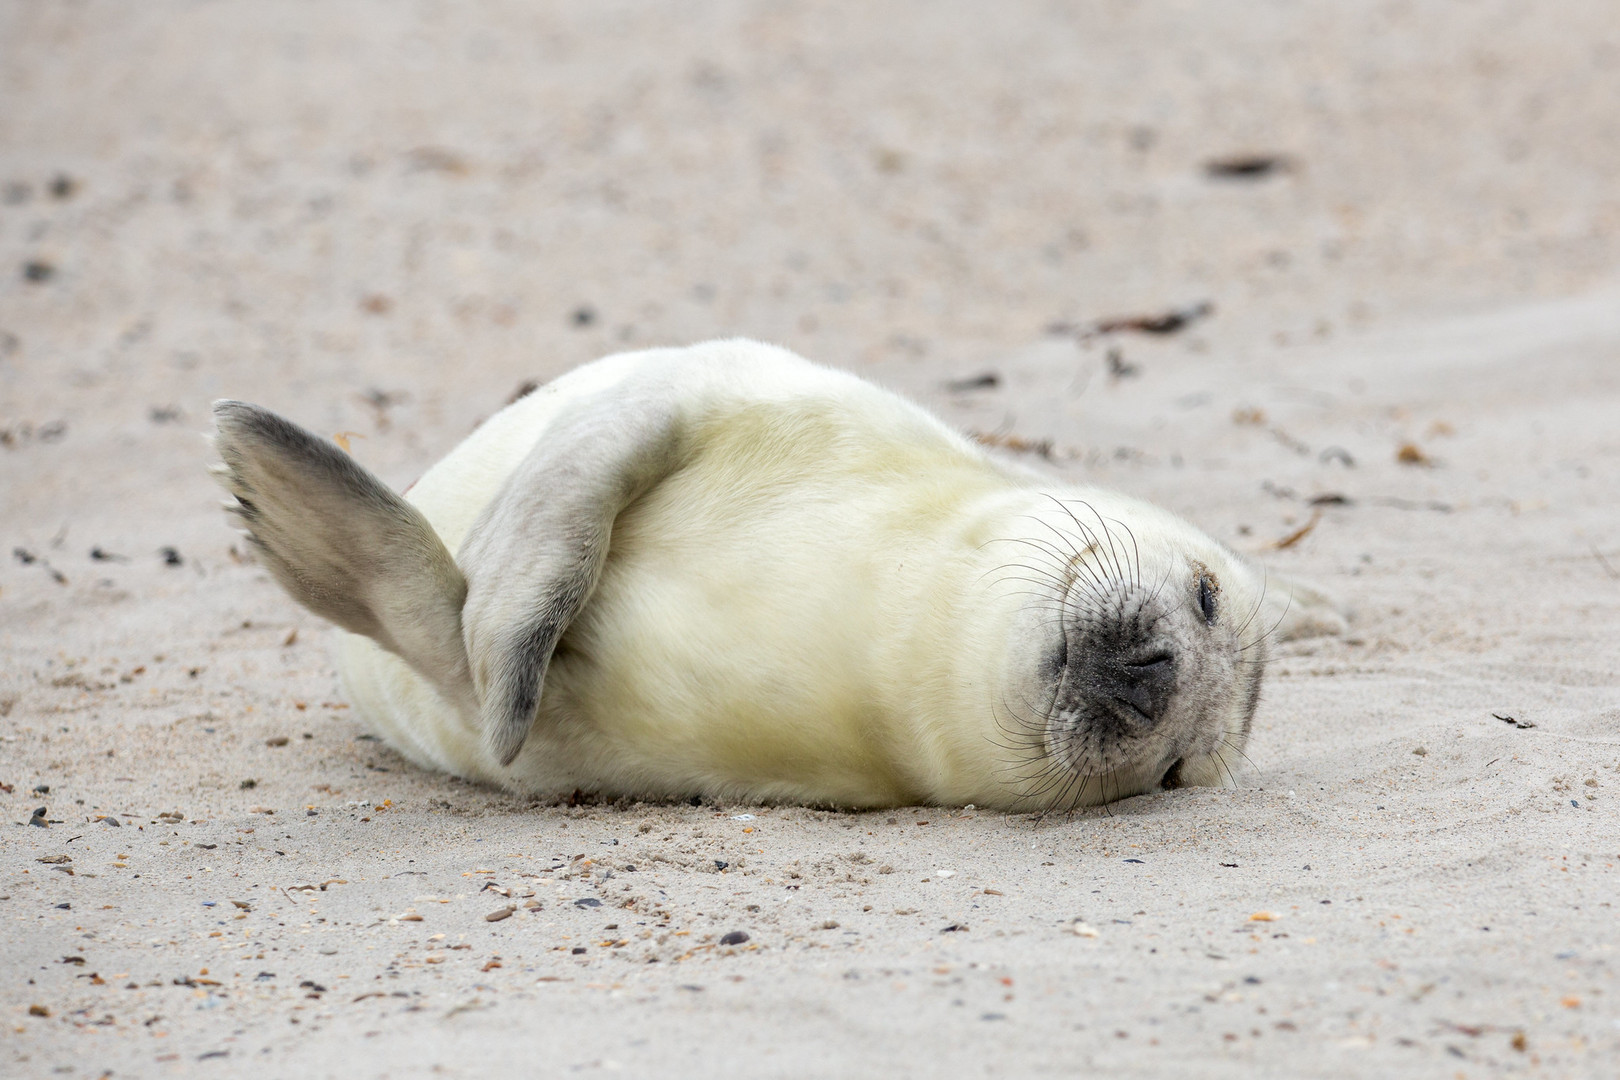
{"type": "Point", "coordinates": [342, 544]}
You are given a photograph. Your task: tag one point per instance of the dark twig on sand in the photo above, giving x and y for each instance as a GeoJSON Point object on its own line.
{"type": "Point", "coordinates": [1163, 322]}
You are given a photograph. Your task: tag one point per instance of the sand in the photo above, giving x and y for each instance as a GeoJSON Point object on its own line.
{"type": "Point", "coordinates": [381, 219]}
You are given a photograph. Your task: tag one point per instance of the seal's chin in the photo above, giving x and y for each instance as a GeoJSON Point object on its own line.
{"type": "Point", "coordinates": [1116, 747]}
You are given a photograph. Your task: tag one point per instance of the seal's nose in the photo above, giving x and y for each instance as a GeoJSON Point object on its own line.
{"type": "Point", "coordinates": [1144, 683]}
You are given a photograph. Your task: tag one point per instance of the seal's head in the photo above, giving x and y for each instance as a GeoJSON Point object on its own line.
{"type": "Point", "coordinates": [1146, 645]}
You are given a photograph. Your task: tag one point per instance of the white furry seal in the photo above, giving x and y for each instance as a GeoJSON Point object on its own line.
{"type": "Point", "coordinates": [726, 571]}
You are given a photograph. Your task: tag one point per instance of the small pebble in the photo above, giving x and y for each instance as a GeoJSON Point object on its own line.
{"type": "Point", "coordinates": [589, 901]}
{"type": "Point", "coordinates": [500, 913]}
{"type": "Point", "coordinates": [736, 937]}
{"type": "Point", "coordinates": [38, 818]}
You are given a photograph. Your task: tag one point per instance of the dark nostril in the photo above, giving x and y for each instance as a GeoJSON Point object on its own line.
{"type": "Point", "coordinates": [1144, 683]}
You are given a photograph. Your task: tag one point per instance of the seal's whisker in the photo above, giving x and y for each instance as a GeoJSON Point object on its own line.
{"type": "Point", "coordinates": [1079, 797]}
{"type": "Point", "coordinates": [1226, 766]}
{"type": "Point", "coordinates": [1050, 594]}
{"type": "Point", "coordinates": [1265, 584]}
{"type": "Point", "coordinates": [1273, 628]}
{"type": "Point", "coordinates": [1024, 733]}
{"type": "Point", "coordinates": [1058, 774]}
{"type": "Point", "coordinates": [1067, 796]}
{"type": "Point", "coordinates": [1081, 600]}
{"type": "Point", "coordinates": [1287, 607]}
{"type": "Point", "coordinates": [1067, 541]}
{"type": "Point", "coordinates": [1042, 545]}
{"type": "Point", "coordinates": [1074, 563]}
{"type": "Point", "coordinates": [1136, 552]}
{"type": "Point", "coordinates": [1109, 533]}
{"type": "Point", "coordinates": [1058, 571]}
{"type": "Point", "coordinates": [1074, 794]}
{"type": "Point", "coordinates": [1051, 589]}
{"type": "Point", "coordinates": [1051, 778]}
{"type": "Point", "coordinates": [1078, 560]}
{"type": "Point", "coordinates": [1049, 576]}
{"type": "Point", "coordinates": [1159, 588]}
{"type": "Point", "coordinates": [1018, 742]}
{"type": "Point", "coordinates": [1108, 799]}
{"type": "Point", "coordinates": [1238, 748]}
{"type": "Point", "coordinates": [1051, 804]}
{"type": "Point", "coordinates": [1091, 538]}
{"type": "Point", "coordinates": [1085, 530]}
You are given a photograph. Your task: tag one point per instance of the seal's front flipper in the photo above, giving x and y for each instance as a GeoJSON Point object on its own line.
{"type": "Point", "coordinates": [536, 553]}
{"type": "Point", "coordinates": [342, 544]}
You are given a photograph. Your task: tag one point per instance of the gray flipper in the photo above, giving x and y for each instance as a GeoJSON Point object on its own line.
{"type": "Point", "coordinates": [342, 544]}
{"type": "Point", "coordinates": [536, 553]}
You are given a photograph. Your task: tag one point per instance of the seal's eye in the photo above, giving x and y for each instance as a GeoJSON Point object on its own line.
{"type": "Point", "coordinates": [1206, 598]}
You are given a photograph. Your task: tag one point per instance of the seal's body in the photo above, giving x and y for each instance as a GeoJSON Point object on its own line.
{"type": "Point", "coordinates": [726, 571]}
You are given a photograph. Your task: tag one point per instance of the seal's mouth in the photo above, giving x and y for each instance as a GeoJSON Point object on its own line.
{"type": "Point", "coordinates": [1172, 777]}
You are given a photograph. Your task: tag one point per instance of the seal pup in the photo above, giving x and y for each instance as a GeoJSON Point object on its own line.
{"type": "Point", "coordinates": [726, 571]}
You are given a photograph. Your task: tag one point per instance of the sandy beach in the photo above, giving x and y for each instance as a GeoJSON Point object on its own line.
{"type": "Point", "coordinates": [382, 220]}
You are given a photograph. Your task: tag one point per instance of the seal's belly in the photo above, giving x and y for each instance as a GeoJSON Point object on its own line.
{"type": "Point", "coordinates": [747, 652]}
